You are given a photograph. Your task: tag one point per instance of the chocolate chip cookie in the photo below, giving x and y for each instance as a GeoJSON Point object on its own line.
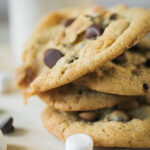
{"type": "Point", "coordinates": [128, 74]}
{"type": "Point", "coordinates": [111, 127]}
{"type": "Point", "coordinates": [37, 45]}
{"type": "Point", "coordinates": [77, 98]}
{"type": "Point", "coordinates": [66, 45]}
{"type": "Point", "coordinates": [93, 38]}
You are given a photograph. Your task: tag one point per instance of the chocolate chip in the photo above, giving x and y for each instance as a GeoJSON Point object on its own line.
{"type": "Point", "coordinates": [80, 92]}
{"type": "Point", "coordinates": [120, 59]}
{"type": "Point", "coordinates": [69, 22]}
{"type": "Point", "coordinates": [118, 116]}
{"type": "Point", "coordinates": [145, 86]}
{"type": "Point", "coordinates": [134, 49]}
{"type": "Point", "coordinates": [93, 31]}
{"type": "Point", "coordinates": [51, 57]}
{"type": "Point", "coordinates": [89, 116]}
{"type": "Point", "coordinates": [7, 126]}
{"type": "Point", "coordinates": [113, 17]}
{"type": "Point", "coordinates": [147, 63]}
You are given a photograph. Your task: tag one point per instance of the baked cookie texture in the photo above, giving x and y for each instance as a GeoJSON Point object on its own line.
{"type": "Point", "coordinates": [114, 128]}
{"type": "Point", "coordinates": [120, 34]}
{"type": "Point", "coordinates": [128, 74]}
{"type": "Point", "coordinates": [37, 44]}
{"type": "Point", "coordinates": [77, 98]}
{"type": "Point", "coordinates": [82, 55]}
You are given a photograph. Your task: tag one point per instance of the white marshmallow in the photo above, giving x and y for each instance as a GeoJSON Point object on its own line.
{"type": "Point", "coordinates": [6, 83]}
{"type": "Point", "coordinates": [3, 145]}
{"type": "Point", "coordinates": [79, 142]}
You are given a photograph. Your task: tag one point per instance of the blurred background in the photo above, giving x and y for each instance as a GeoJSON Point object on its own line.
{"type": "Point", "coordinates": [18, 18]}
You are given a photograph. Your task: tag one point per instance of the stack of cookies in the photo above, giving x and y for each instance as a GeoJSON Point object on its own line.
{"type": "Point", "coordinates": [92, 69]}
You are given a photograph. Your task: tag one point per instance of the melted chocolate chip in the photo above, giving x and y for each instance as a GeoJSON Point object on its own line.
{"type": "Point", "coordinates": [120, 59]}
{"type": "Point", "coordinates": [69, 22]}
{"type": "Point", "coordinates": [89, 116]}
{"type": "Point", "coordinates": [93, 31]}
{"type": "Point", "coordinates": [145, 86]}
{"type": "Point", "coordinates": [80, 92]}
{"type": "Point", "coordinates": [147, 63]}
{"type": "Point", "coordinates": [113, 17]}
{"type": "Point", "coordinates": [51, 57]}
{"type": "Point", "coordinates": [7, 126]}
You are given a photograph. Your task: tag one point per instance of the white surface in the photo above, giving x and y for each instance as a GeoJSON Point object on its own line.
{"type": "Point", "coordinates": [3, 144]}
{"type": "Point", "coordinates": [29, 133]}
{"type": "Point", "coordinates": [6, 83]}
{"type": "Point", "coordinates": [79, 142]}
{"type": "Point", "coordinates": [6, 62]}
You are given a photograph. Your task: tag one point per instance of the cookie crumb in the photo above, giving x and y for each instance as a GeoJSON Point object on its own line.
{"type": "Point", "coordinates": [7, 126]}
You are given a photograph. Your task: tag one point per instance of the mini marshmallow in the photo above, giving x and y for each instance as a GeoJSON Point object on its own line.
{"type": "Point", "coordinates": [79, 142]}
{"type": "Point", "coordinates": [6, 83]}
{"type": "Point", "coordinates": [3, 145]}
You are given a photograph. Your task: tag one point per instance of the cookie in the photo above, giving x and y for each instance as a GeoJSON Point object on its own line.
{"type": "Point", "coordinates": [35, 47]}
{"type": "Point", "coordinates": [128, 74]}
{"type": "Point", "coordinates": [94, 38]}
{"type": "Point", "coordinates": [77, 98]}
{"type": "Point", "coordinates": [111, 127]}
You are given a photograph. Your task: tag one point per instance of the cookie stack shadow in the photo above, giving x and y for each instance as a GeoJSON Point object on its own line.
{"type": "Point", "coordinates": [92, 69]}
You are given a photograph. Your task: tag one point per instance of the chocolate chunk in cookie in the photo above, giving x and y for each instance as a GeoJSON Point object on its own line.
{"type": "Point", "coordinates": [89, 116]}
{"type": "Point", "coordinates": [51, 57]}
{"type": "Point", "coordinates": [80, 92]}
{"type": "Point", "coordinates": [147, 63]}
{"type": "Point", "coordinates": [145, 86]}
{"type": "Point", "coordinates": [93, 31]}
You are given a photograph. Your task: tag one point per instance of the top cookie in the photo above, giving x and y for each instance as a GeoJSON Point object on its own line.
{"type": "Point", "coordinates": [88, 42]}
{"type": "Point", "coordinates": [93, 39]}
{"type": "Point", "coordinates": [128, 74]}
